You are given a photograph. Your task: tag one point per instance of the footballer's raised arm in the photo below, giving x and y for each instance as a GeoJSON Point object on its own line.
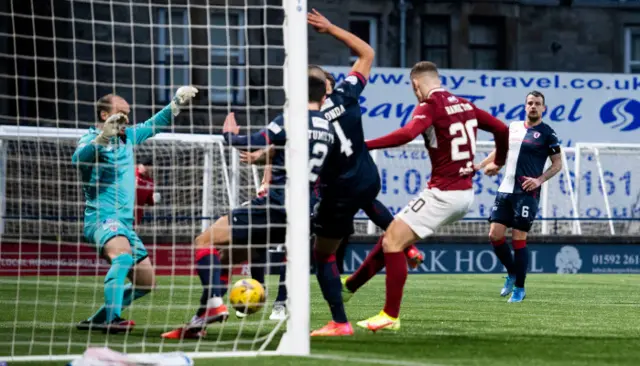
{"type": "Point", "coordinates": [361, 48]}
{"type": "Point", "coordinates": [255, 141]}
{"type": "Point", "coordinates": [500, 131]}
{"type": "Point", "coordinates": [273, 133]}
{"type": "Point", "coordinates": [420, 121]}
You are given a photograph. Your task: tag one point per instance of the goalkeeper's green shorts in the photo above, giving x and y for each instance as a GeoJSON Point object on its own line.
{"type": "Point", "coordinates": [100, 234]}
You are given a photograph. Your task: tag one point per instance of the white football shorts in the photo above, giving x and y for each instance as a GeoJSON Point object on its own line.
{"type": "Point", "coordinates": [434, 208]}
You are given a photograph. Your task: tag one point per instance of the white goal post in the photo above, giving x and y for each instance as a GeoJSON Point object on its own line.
{"type": "Point", "coordinates": [216, 175]}
{"type": "Point", "coordinates": [244, 56]}
{"type": "Point", "coordinates": [607, 189]}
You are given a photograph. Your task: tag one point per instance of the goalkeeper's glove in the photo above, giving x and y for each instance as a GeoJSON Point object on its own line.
{"type": "Point", "coordinates": [156, 198]}
{"type": "Point", "coordinates": [111, 128]}
{"type": "Point", "coordinates": [183, 97]}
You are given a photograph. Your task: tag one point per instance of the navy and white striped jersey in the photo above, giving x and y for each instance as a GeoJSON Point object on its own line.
{"type": "Point", "coordinates": [529, 149]}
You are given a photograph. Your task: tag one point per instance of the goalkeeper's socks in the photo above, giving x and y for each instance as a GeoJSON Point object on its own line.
{"type": "Point", "coordinates": [521, 259]}
{"type": "Point", "coordinates": [396, 277]}
{"type": "Point", "coordinates": [129, 296]}
{"type": "Point", "coordinates": [114, 285]}
{"type": "Point", "coordinates": [209, 268]}
{"type": "Point", "coordinates": [372, 264]}
{"type": "Point", "coordinates": [329, 280]}
{"type": "Point", "coordinates": [503, 252]}
{"type": "Point", "coordinates": [282, 284]}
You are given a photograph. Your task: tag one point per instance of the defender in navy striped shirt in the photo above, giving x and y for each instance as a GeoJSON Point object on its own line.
{"type": "Point", "coordinates": [531, 142]}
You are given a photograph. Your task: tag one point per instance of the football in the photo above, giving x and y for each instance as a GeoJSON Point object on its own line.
{"type": "Point", "coordinates": [247, 296]}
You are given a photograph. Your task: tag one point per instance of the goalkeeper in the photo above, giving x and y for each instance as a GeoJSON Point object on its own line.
{"type": "Point", "coordinates": [105, 159]}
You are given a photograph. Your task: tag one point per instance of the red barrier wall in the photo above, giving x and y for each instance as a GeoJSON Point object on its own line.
{"type": "Point", "coordinates": [72, 259]}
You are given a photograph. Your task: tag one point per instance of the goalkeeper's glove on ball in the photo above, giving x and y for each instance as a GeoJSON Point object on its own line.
{"type": "Point", "coordinates": [183, 97]}
{"type": "Point", "coordinates": [111, 128]}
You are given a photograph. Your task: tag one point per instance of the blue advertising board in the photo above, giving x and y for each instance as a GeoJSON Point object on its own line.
{"type": "Point", "coordinates": [543, 258]}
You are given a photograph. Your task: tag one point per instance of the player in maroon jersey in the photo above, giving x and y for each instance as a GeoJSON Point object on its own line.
{"type": "Point", "coordinates": [145, 188]}
{"type": "Point", "coordinates": [449, 126]}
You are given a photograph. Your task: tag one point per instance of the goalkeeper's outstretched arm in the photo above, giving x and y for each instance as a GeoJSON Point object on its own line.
{"type": "Point", "coordinates": [142, 131]}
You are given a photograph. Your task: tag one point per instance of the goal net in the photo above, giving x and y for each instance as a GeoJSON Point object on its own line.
{"type": "Point", "coordinates": [58, 57]}
{"type": "Point", "coordinates": [608, 198]}
{"type": "Point", "coordinates": [405, 171]}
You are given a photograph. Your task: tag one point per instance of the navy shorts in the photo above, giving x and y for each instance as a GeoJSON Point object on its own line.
{"type": "Point", "coordinates": [517, 211]}
{"type": "Point", "coordinates": [258, 222]}
{"type": "Point", "coordinates": [336, 210]}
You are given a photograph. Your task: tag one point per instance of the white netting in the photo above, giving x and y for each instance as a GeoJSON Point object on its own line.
{"type": "Point", "coordinates": [44, 200]}
{"type": "Point", "coordinates": [58, 57]}
{"type": "Point", "coordinates": [606, 191]}
{"type": "Point", "coordinates": [405, 170]}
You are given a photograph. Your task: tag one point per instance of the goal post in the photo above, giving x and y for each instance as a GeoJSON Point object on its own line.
{"type": "Point", "coordinates": [46, 146]}
{"type": "Point", "coordinates": [37, 171]}
{"type": "Point", "coordinates": [244, 56]}
{"type": "Point", "coordinates": [296, 340]}
{"type": "Point", "coordinates": [607, 189]}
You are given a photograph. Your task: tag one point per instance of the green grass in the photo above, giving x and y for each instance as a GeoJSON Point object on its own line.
{"type": "Point", "coordinates": [446, 320]}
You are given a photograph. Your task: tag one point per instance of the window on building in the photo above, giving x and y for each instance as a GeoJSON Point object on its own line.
{"type": "Point", "coordinates": [632, 50]}
{"type": "Point", "coordinates": [172, 56]}
{"type": "Point", "coordinates": [486, 43]}
{"type": "Point", "coordinates": [436, 37]}
{"type": "Point", "coordinates": [228, 60]}
{"type": "Point", "coordinates": [365, 27]}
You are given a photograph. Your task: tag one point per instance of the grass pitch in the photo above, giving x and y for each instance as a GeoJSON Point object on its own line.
{"type": "Point", "coordinates": [446, 320]}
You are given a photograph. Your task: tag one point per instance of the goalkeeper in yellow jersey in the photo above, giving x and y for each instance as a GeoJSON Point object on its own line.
{"type": "Point", "coordinates": [105, 160]}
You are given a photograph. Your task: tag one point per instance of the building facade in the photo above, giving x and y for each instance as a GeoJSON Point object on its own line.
{"type": "Point", "coordinates": [59, 57]}
{"type": "Point", "coordinates": [543, 35]}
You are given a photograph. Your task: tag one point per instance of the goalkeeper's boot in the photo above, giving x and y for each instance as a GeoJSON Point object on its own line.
{"type": "Point", "coordinates": [346, 293]}
{"type": "Point", "coordinates": [240, 314]}
{"type": "Point", "coordinates": [279, 312]}
{"type": "Point", "coordinates": [379, 322]}
{"type": "Point", "coordinates": [333, 329]}
{"type": "Point", "coordinates": [118, 325]}
{"type": "Point", "coordinates": [518, 295]}
{"type": "Point", "coordinates": [508, 285]}
{"type": "Point", "coordinates": [414, 256]}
